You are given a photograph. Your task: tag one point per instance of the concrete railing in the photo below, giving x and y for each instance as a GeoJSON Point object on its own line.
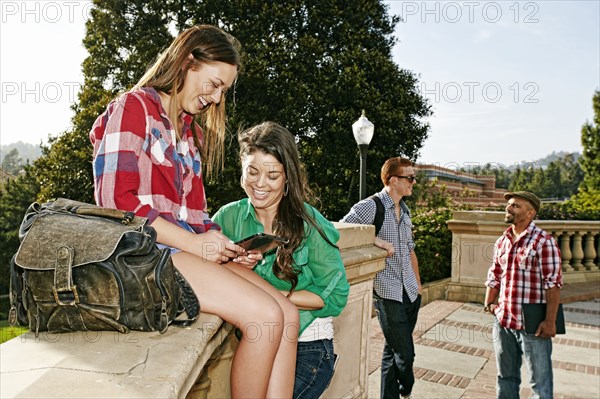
{"type": "Point", "coordinates": [189, 362]}
{"type": "Point", "coordinates": [474, 234]}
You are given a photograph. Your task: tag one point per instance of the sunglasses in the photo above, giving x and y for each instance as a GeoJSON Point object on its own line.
{"type": "Point", "coordinates": [409, 178]}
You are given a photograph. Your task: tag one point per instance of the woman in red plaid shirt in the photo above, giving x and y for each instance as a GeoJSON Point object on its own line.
{"type": "Point", "coordinates": [148, 155]}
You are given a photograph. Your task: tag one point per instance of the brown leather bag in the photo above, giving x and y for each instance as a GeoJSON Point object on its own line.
{"type": "Point", "coordinates": [82, 267]}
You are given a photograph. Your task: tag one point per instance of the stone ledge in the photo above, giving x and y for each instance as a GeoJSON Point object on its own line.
{"type": "Point", "coordinates": [355, 235]}
{"type": "Point", "coordinates": [193, 362]}
{"type": "Point", "coordinates": [109, 364]}
{"type": "Point", "coordinates": [492, 223]}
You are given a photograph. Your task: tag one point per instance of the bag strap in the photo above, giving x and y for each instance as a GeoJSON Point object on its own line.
{"type": "Point", "coordinates": [65, 293]}
{"type": "Point", "coordinates": [123, 216]}
{"type": "Point", "coordinates": [379, 213]}
{"type": "Point", "coordinates": [16, 295]}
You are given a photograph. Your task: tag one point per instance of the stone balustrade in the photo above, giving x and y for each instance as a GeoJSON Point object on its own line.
{"type": "Point", "coordinates": [475, 232]}
{"type": "Point", "coordinates": [191, 362]}
{"type": "Point", "coordinates": [579, 243]}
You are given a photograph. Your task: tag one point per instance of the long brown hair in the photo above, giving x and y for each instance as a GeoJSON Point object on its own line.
{"type": "Point", "coordinates": [273, 139]}
{"type": "Point", "coordinates": [206, 43]}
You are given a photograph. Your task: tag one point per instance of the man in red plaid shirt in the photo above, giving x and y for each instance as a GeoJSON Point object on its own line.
{"type": "Point", "coordinates": [526, 269]}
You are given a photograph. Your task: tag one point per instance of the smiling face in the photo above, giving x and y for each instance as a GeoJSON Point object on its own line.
{"type": "Point", "coordinates": [204, 86]}
{"type": "Point", "coordinates": [263, 180]}
{"type": "Point", "coordinates": [519, 212]}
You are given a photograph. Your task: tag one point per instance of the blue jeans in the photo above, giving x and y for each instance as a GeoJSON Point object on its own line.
{"type": "Point", "coordinates": [173, 250]}
{"type": "Point", "coordinates": [510, 346]}
{"type": "Point", "coordinates": [397, 321]}
{"type": "Point", "coordinates": [314, 368]}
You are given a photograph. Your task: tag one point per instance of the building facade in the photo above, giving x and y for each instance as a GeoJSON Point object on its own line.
{"type": "Point", "coordinates": [465, 187]}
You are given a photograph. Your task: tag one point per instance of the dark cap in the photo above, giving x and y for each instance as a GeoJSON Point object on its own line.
{"type": "Point", "coordinates": [526, 195]}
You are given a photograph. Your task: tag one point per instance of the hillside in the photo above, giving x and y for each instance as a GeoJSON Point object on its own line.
{"type": "Point", "coordinates": [544, 162]}
{"type": "Point", "coordinates": [27, 152]}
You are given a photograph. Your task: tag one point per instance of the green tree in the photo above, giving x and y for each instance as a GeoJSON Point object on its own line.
{"type": "Point", "coordinates": [571, 175]}
{"type": "Point", "coordinates": [586, 203]}
{"type": "Point", "coordinates": [12, 162]}
{"type": "Point", "coordinates": [500, 172]}
{"type": "Point", "coordinates": [313, 66]}
{"type": "Point", "coordinates": [122, 39]}
{"type": "Point", "coordinates": [546, 182]}
{"type": "Point", "coordinates": [15, 197]}
{"type": "Point", "coordinates": [558, 180]}
{"type": "Point", "coordinates": [503, 176]}
{"type": "Point", "coordinates": [309, 65]}
{"type": "Point", "coordinates": [590, 140]}
{"type": "Point", "coordinates": [429, 194]}
{"type": "Point", "coordinates": [522, 177]}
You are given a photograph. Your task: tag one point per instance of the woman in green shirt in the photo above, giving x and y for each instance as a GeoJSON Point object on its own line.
{"type": "Point", "coordinates": [308, 269]}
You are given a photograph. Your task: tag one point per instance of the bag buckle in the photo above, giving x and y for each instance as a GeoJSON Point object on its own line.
{"type": "Point", "coordinates": [12, 316]}
{"type": "Point", "coordinates": [66, 298]}
{"type": "Point", "coordinates": [128, 217]}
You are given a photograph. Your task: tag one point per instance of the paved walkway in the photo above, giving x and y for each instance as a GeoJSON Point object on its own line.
{"type": "Point", "coordinates": [455, 356]}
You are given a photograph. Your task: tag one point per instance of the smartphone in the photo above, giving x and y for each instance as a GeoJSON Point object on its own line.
{"type": "Point", "coordinates": [261, 242]}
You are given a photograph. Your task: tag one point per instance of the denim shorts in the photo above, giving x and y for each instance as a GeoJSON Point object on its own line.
{"type": "Point", "coordinates": [174, 250]}
{"type": "Point", "coordinates": [315, 363]}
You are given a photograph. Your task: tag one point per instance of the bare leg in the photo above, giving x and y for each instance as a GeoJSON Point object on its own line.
{"type": "Point", "coordinates": [243, 304]}
{"type": "Point", "coordinates": [281, 384]}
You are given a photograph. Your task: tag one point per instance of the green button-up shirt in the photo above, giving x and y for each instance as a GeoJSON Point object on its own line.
{"type": "Point", "coordinates": [322, 272]}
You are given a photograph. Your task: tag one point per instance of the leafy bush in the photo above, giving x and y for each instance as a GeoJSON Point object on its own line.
{"type": "Point", "coordinates": [583, 206]}
{"type": "Point", "coordinates": [433, 243]}
{"type": "Point", "coordinates": [431, 205]}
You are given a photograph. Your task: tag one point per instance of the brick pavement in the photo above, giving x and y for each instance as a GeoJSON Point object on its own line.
{"type": "Point", "coordinates": [444, 325]}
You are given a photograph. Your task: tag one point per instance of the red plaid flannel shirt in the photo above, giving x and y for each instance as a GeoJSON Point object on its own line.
{"type": "Point", "coordinates": [139, 165]}
{"type": "Point", "coordinates": [523, 271]}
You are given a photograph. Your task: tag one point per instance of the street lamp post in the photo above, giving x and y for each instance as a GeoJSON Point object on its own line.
{"type": "Point", "coordinates": [363, 133]}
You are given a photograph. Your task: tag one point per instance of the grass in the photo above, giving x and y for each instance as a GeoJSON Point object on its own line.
{"type": "Point", "coordinates": [8, 332]}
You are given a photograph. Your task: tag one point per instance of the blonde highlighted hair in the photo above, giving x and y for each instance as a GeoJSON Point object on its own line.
{"type": "Point", "coordinates": [206, 43]}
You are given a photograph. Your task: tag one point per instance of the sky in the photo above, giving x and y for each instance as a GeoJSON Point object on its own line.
{"type": "Point", "coordinates": [508, 81]}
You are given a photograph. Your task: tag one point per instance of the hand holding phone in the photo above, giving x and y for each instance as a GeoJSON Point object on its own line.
{"type": "Point", "coordinates": [261, 242]}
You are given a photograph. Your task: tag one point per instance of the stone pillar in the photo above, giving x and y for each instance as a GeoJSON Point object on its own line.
{"type": "Point", "coordinates": [473, 238]}
{"type": "Point", "coordinates": [589, 252]}
{"type": "Point", "coordinates": [362, 260]}
{"type": "Point", "coordinates": [577, 252]}
{"type": "Point", "coordinates": [598, 250]}
{"type": "Point", "coordinates": [565, 250]}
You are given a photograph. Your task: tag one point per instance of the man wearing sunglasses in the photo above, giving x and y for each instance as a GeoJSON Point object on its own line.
{"type": "Point", "coordinates": [397, 288]}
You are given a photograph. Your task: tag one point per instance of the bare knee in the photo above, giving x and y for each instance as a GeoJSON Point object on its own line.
{"type": "Point", "coordinates": [266, 322]}
{"type": "Point", "coordinates": [267, 309]}
{"type": "Point", "coordinates": [273, 313]}
{"type": "Point", "coordinates": [279, 317]}
{"type": "Point", "coordinates": [290, 312]}
{"type": "Point", "coordinates": [291, 320]}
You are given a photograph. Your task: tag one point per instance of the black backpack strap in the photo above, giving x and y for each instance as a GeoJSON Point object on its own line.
{"type": "Point", "coordinates": [379, 213]}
